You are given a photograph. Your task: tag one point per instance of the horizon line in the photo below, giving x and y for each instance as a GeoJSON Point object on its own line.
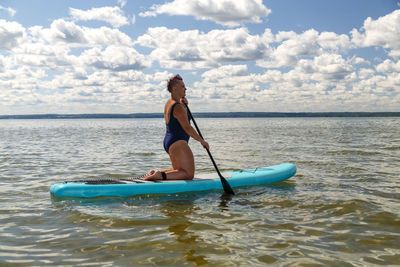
{"type": "Point", "coordinates": [206, 115]}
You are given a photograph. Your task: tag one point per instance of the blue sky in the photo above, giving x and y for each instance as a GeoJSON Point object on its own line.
{"type": "Point", "coordinates": [234, 55]}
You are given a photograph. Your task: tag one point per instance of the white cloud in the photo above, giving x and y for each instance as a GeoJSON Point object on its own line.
{"type": "Point", "coordinates": [193, 49]}
{"type": "Point", "coordinates": [11, 12]}
{"type": "Point", "coordinates": [226, 72]}
{"type": "Point", "coordinates": [327, 78]}
{"type": "Point", "coordinates": [334, 42]}
{"type": "Point", "coordinates": [68, 33]}
{"type": "Point", "coordinates": [83, 69]}
{"type": "Point", "coordinates": [2, 64]}
{"type": "Point", "coordinates": [388, 66]}
{"type": "Point", "coordinates": [224, 12]}
{"type": "Point", "coordinates": [115, 58]}
{"type": "Point", "coordinates": [292, 49]}
{"type": "Point", "coordinates": [11, 34]}
{"type": "Point", "coordinates": [359, 60]}
{"type": "Point", "coordinates": [326, 67]}
{"type": "Point", "coordinates": [112, 15]}
{"type": "Point", "coordinates": [383, 32]}
{"type": "Point", "coordinates": [65, 65]}
{"type": "Point", "coordinates": [229, 81]}
{"type": "Point", "coordinates": [122, 3]}
{"type": "Point", "coordinates": [365, 73]}
{"type": "Point", "coordinates": [222, 87]}
{"type": "Point", "coordinates": [44, 56]}
{"type": "Point", "coordinates": [107, 36]}
{"type": "Point", "coordinates": [378, 85]}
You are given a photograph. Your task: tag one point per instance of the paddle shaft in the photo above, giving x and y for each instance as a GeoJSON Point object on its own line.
{"type": "Point", "coordinates": [227, 188]}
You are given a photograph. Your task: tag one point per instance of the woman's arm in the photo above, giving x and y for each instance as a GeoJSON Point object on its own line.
{"type": "Point", "coordinates": [181, 115]}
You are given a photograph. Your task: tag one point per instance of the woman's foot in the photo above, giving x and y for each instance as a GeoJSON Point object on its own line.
{"type": "Point", "coordinates": [151, 172]}
{"type": "Point", "coordinates": [152, 176]}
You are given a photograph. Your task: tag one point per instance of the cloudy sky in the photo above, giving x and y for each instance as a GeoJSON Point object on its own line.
{"type": "Point", "coordinates": [97, 56]}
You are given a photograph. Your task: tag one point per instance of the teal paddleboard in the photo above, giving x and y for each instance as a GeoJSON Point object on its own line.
{"type": "Point", "coordinates": [128, 188]}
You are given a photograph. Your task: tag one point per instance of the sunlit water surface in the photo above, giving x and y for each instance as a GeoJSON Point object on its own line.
{"type": "Point", "coordinates": [342, 208]}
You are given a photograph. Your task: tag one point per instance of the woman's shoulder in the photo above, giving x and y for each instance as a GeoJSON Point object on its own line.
{"type": "Point", "coordinates": [179, 109]}
{"type": "Point", "coordinates": [169, 104]}
{"type": "Point", "coordinates": [177, 106]}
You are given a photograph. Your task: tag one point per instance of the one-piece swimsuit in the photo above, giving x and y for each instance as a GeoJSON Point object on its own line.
{"type": "Point", "coordinates": [175, 132]}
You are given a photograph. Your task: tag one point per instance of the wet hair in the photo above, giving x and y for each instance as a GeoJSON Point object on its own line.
{"type": "Point", "coordinates": [173, 81]}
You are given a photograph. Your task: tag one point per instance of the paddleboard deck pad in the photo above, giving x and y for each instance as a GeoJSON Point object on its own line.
{"type": "Point", "coordinates": [127, 187]}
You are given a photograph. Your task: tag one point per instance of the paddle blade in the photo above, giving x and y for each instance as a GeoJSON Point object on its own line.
{"type": "Point", "coordinates": [227, 188]}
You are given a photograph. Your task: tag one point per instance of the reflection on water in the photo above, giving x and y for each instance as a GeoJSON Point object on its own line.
{"type": "Point", "coordinates": [179, 212]}
{"type": "Point", "coordinates": [224, 201]}
{"type": "Point", "coordinates": [341, 209]}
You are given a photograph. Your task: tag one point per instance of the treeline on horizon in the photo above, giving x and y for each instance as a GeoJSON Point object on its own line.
{"type": "Point", "coordinates": [207, 115]}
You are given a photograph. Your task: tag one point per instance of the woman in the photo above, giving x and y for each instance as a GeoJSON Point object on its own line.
{"type": "Point", "coordinates": [177, 136]}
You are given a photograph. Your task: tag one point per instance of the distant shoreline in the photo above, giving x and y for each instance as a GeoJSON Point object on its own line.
{"type": "Point", "coordinates": [208, 115]}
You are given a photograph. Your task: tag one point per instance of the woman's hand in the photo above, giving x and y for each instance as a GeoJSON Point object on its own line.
{"type": "Point", "coordinates": [205, 144]}
{"type": "Point", "coordinates": [184, 100]}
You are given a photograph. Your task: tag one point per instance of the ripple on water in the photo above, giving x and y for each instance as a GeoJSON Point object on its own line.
{"type": "Point", "coordinates": [341, 208]}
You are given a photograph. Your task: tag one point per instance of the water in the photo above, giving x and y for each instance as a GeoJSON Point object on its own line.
{"type": "Point", "coordinates": [341, 209]}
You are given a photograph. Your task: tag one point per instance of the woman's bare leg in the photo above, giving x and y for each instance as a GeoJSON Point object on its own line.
{"type": "Point", "coordinates": [182, 163]}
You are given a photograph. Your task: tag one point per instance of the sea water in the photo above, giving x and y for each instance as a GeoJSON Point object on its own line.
{"type": "Point", "coordinates": [342, 208]}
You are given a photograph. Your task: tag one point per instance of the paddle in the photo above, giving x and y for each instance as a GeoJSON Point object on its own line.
{"type": "Point", "coordinates": [225, 184]}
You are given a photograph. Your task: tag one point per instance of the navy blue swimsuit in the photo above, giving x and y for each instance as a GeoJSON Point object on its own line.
{"type": "Point", "coordinates": [175, 132]}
